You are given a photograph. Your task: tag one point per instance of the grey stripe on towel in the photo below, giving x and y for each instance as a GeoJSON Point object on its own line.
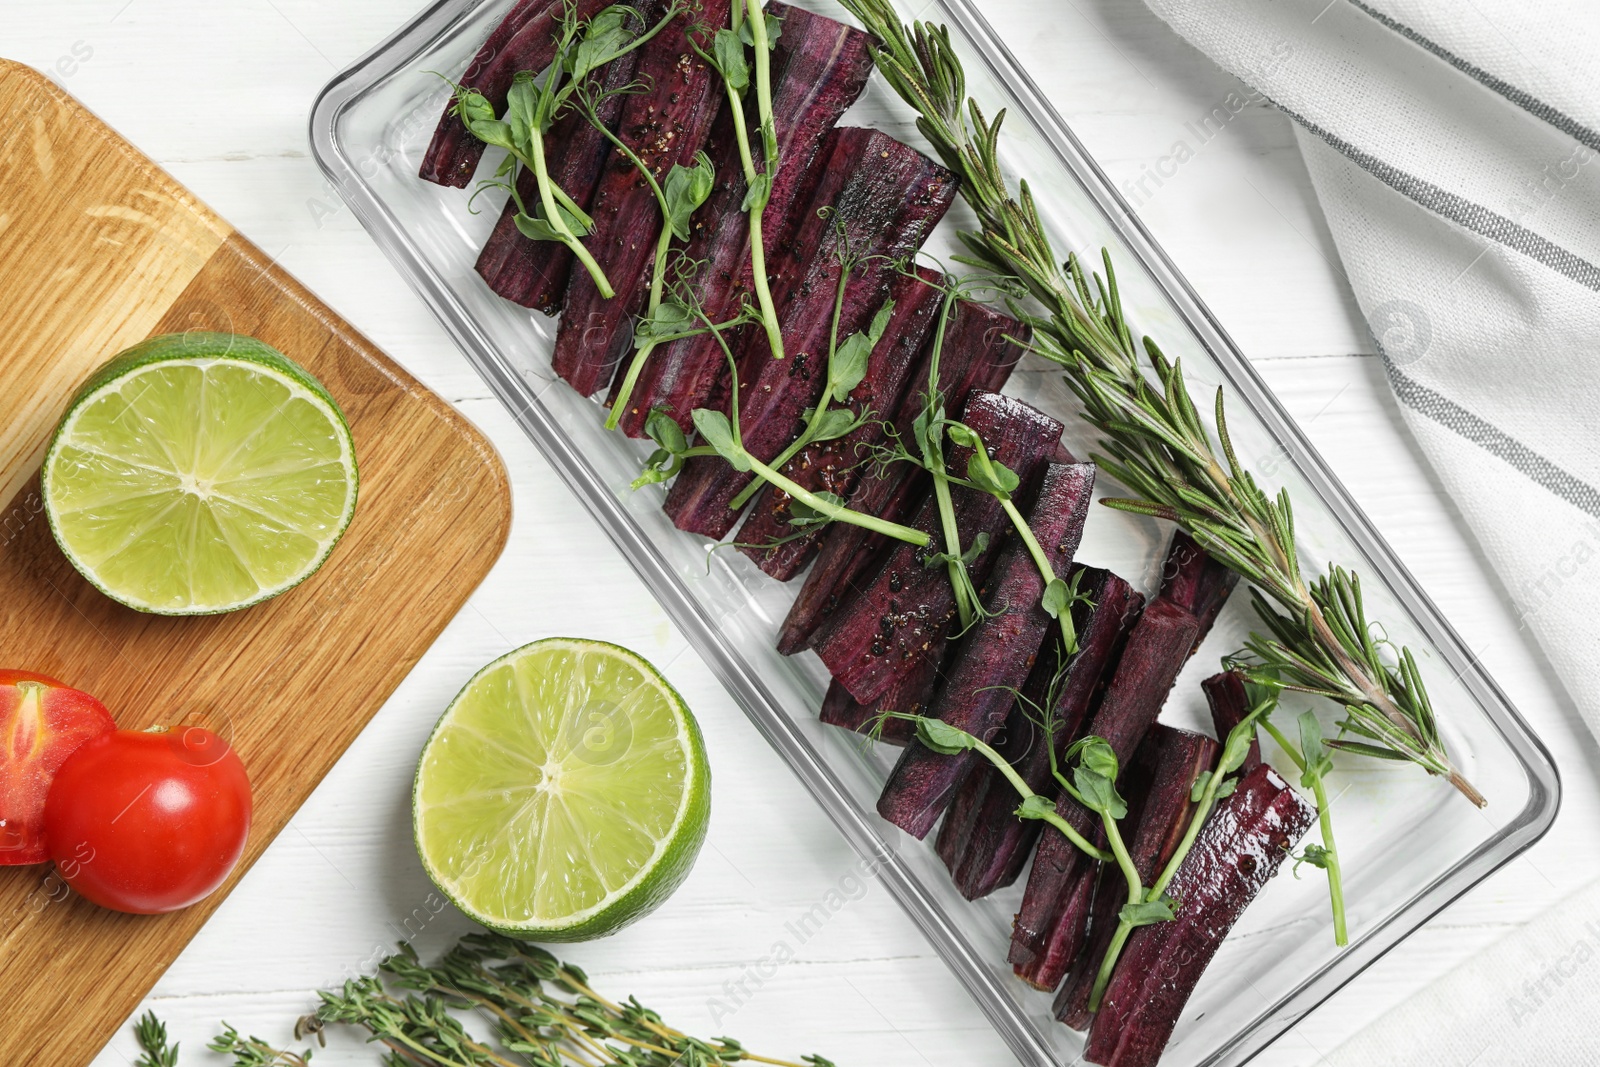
{"type": "Point", "coordinates": [1520, 97]}
{"type": "Point", "coordinates": [1460, 210]}
{"type": "Point", "coordinates": [1452, 416]}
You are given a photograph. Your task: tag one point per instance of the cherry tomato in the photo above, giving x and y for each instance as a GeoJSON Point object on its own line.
{"type": "Point", "coordinates": [149, 822]}
{"type": "Point", "coordinates": [42, 722]}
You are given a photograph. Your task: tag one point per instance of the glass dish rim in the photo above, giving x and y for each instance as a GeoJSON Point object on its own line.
{"type": "Point", "coordinates": [742, 680]}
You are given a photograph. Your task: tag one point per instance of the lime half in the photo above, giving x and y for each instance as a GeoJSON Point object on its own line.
{"type": "Point", "coordinates": [564, 793]}
{"type": "Point", "coordinates": [199, 473]}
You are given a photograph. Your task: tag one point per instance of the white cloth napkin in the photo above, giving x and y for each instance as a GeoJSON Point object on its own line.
{"type": "Point", "coordinates": [1454, 148]}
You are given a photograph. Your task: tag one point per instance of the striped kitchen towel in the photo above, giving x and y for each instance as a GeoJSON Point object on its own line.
{"type": "Point", "coordinates": [1454, 148]}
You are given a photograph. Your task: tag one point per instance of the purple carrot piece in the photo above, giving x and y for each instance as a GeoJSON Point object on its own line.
{"type": "Point", "coordinates": [1238, 850]}
{"type": "Point", "coordinates": [996, 657]}
{"type": "Point", "coordinates": [845, 561]}
{"type": "Point", "coordinates": [534, 273]}
{"type": "Point", "coordinates": [1172, 761]}
{"type": "Point", "coordinates": [819, 68]}
{"type": "Point", "coordinates": [902, 610]}
{"type": "Point", "coordinates": [518, 268]}
{"type": "Point", "coordinates": [998, 844]}
{"type": "Point", "coordinates": [909, 694]}
{"type": "Point", "coordinates": [1048, 931]}
{"type": "Point", "coordinates": [1230, 703]}
{"type": "Point", "coordinates": [524, 40]}
{"type": "Point", "coordinates": [665, 125]}
{"type": "Point", "coordinates": [835, 466]}
{"type": "Point", "coordinates": [976, 355]}
{"type": "Point", "coordinates": [1190, 577]}
{"type": "Point", "coordinates": [889, 200]}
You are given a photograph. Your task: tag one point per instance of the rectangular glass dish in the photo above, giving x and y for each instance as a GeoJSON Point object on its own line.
{"type": "Point", "coordinates": [1410, 844]}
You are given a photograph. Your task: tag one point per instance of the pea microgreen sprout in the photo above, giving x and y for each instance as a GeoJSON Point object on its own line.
{"type": "Point", "coordinates": [721, 437]}
{"type": "Point", "coordinates": [928, 433]}
{"type": "Point", "coordinates": [927, 430]}
{"type": "Point", "coordinates": [1000, 482]}
{"type": "Point", "coordinates": [847, 366]}
{"type": "Point", "coordinates": [948, 740]}
{"type": "Point", "coordinates": [684, 190]}
{"type": "Point", "coordinates": [1209, 788]}
{"type": "Point", "coordinates": [751, 27]}
{"type": "Point", "coordinates": [532, 106]}
{"type": "Point", "coordinates": [1313, 757]}
{"type": "Point", "coordinates": [1092, 783]}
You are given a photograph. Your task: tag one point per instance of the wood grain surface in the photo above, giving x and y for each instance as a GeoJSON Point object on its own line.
{"type": "Point", "coordinates": [98, 249]}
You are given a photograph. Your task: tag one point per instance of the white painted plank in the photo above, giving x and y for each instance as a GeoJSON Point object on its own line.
{"type": "Point", "coordinates": [221, 99]}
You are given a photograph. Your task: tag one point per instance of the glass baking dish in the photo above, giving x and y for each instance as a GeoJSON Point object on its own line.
{"type": "Point", "coordinates": [1410, 844]}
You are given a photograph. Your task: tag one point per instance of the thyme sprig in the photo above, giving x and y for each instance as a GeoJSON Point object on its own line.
{"type": "Point", "coordinates": [1154, 440]}
{"type": "Point", "coordinates": [155, 1049]}
{"type": "Point", "coordinates": [543, 1013]}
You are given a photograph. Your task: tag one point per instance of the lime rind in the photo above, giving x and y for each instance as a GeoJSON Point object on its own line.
{"type": "Point", "coordinates": [151, 469]}
{"type": "Point", "coordinates": [535, 828]}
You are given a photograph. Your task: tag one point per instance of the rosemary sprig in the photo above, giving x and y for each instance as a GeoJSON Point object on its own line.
{"type": "Point", "coordinates": [1154, 440]}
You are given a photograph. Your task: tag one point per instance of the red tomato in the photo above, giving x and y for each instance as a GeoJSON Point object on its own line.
{"type": "Point", "coordinates": [149, 822]}
{"type": "Point", "coordinates": [42, 722]}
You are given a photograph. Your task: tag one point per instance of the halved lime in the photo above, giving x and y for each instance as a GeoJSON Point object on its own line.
{"type": "Point", "coordinates": [199, 473]}
{"type": "Point", "coordinates": [564, 793]}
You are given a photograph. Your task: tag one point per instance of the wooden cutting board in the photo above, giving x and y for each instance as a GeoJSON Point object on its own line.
{"type": "Point", "coordinates": [98, 249]}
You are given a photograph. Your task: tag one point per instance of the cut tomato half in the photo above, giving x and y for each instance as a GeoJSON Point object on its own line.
{"type": "Point", "coordinates": [42, 722]}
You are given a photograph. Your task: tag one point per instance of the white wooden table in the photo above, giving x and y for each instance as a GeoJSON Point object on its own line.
{"type": "Point", "coordinates": [220, 93]}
